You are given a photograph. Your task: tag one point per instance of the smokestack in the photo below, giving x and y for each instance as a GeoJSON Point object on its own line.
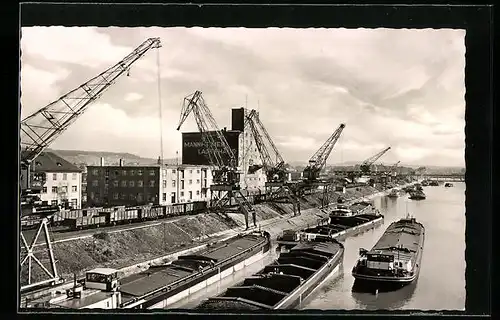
{"type": "Point", "coordinates": [159, 160]}
{"type": "Point", "coordinates": [121, 162]}
{"type": "Point", "coordinates": [102, 161]}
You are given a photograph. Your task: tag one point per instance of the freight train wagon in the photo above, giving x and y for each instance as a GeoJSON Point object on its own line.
{"type": "Point", "coordinates": [121, 215]}
{"type": "Point", "coordinates": [86, 222]}
{"type": "Point", "coordinates": [65, 214]}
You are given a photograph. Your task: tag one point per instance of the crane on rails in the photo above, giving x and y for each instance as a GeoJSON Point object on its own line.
{"type": "Point", "coordinates": [38, 131]}
{"type": "Point", "coordinates": [272, 163]}
{"type": "Point", "coordinates": [224, 166]}
{"type": "Point", "coordinates": [311, 174]}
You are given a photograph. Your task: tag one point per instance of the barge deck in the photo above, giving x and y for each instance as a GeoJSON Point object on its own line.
{"type": "Point", "coordinates": [287, 282]}
{"type": "Point", "coordinates": [337, 227]}
{"type": "Point", "coordinates": [161, 286]}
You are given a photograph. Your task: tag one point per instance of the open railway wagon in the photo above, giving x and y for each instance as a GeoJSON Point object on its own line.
{"type": "Point", "coordinates": [99, 217]}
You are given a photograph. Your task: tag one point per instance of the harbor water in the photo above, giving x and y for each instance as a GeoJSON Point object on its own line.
{"type": "Point", "coordinates": [441, 284]}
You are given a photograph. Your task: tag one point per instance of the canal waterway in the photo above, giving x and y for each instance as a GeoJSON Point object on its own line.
{"type": "Point", "coordinates": [441, 284]}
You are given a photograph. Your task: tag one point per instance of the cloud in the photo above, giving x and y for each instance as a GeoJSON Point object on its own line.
{"type": "Point", "coordinates": [133, 96]}
{"type": "Point", "coordinates": [392, 87]}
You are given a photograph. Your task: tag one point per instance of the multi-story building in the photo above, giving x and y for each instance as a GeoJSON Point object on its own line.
{"type": "Point", "coordinates": [63, 180]}
{"type": "Point", "coordinates": [242, 143]}
{"type": "Point", "coordinates": [138, 185]}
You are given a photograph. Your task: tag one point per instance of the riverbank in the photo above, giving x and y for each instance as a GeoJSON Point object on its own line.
{"type": "Point", "coordinates": [134, 250]}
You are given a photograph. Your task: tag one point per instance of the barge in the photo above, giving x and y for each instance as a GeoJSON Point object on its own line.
{"type": "Point", "coordinates": [336, 227]}
{"type": "Point", "coordinates": [417, 195]}
{"type": "Point", "coordinates": [395, 258]}
{"type": "Point", "coordinates": [395, 193]}
{"type": "Point", "coordinates": [448, 185]}
{"type": "Point", "coordinates": [288, 282]}
{"type": "Point", "coordinates": [161, 286]}
{"type": "Point", "coordinates": [99, 290]}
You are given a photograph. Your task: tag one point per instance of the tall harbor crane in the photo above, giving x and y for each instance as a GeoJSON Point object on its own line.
{"type": "Point", "coordinates": [366, 165]}
{"type": "Point", "coordinates": [394, 169]}
{"type": "Point", "coordinates": [38, 131]}
{"type": "Point", "coordinates": [274, 166]}
{"type": "Point", "coordinates": [226, 178]}
{"type": "Point", "coordinates": [317, 162]}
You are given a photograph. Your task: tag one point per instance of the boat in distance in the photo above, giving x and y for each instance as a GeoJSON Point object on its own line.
{"type": "Point", "coordinates": [287, 282]}
{"type": "Point", "coordinates": [395, 193]}
{"type": "Point", "coordinates": [395, 258]}
{"type": "Point", "coordinates": [417, 195]}
{"type": "Point", "coordinates": [448, 185]}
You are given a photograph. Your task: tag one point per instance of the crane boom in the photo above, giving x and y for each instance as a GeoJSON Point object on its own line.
{"type": "Point", "coordinates": [219, 152]}
{"type": "Point", "coordinates": [41, 128]}
{"type": "Point", "coordinates": [365, 166]}
{"type": "Point", "coordinates": [274, 167]}
{"type": "Point", "coordinates": [226, 178]}
{"type": "Point", "coordinates": [318, 160]}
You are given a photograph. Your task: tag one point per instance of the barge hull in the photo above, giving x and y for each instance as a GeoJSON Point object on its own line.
{"type": "Point", "coordinates": [161, 290]}
{"type": "Point", "coordinates": [297, 298]}
{"type": "Point", "coordinates": [207, 280]}
{"type": "Point", "coordinates": [287, 282]}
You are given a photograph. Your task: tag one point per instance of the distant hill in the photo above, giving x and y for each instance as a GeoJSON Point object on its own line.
{"type": "Point", "coordinates": [93, 158]}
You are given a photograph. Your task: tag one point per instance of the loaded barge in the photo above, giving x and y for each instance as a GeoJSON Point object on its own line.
{"type": "Point", "coordinates": [287, 282]}
{"type": "Point", "coordinates": [417, 195]}
{"type": "Point", "coordinates": [338, 227]}
{"type": "Point", "coordinates": [161, 286]}
{"type": "Point", "coordinates": [395, 259]}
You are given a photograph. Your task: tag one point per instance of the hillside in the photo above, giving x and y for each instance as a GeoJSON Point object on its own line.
{"type": "Point", "coordinates": [92, 158]}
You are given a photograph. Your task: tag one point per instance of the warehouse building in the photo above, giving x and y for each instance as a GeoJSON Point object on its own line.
{"type": "Point", "coordinates": [63, 180]}
{"type": "Point", "coordinates": [138, 185]}
{"type": "Point", "coordinates": [242, 143]}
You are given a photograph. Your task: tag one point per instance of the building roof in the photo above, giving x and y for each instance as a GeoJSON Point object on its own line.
{"type": "Point", "coordinates": [50, 162]}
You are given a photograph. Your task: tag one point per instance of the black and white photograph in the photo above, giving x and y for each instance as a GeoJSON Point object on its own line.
{"type": "Point", "coordinates": [247, 169]}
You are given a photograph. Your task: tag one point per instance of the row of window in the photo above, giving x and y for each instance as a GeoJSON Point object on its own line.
{"type": "Point", "coordinates": [64, 176]}
{"type": "Point", "coordinates": [125, 196]}
{"type": "Point", "coordinates": [151, 183]}
{"type": "Point", "coordinates": [182, 183]}
{"type": "Point", "coordinates": [139, 172]}
{"type": "Point", "coordinates": [62, 189]}
{"type": "Point", "coordinates": [125, 183]}
{"type": "Point", "coordinates": [132, 172]}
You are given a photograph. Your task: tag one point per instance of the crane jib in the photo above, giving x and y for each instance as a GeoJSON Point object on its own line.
{"type": "Point", "coordinates": [41, 128]}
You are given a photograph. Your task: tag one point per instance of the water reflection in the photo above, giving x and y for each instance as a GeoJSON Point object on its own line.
{"type": "Point", "coordinates": [382, 297]}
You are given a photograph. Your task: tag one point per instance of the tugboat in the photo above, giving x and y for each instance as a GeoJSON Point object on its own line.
{"type": "Point", "coordinates": [395, 258]}
{"type": "Point", "coordinates": [448, 184]}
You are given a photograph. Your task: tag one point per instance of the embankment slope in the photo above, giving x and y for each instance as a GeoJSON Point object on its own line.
{"type": "Point", "coordinates": [122, 249]}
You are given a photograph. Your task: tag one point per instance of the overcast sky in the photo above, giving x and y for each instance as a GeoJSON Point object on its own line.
{"type": "Point", "coordinates": [391, 87]}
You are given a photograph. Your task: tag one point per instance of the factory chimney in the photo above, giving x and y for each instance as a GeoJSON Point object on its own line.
{"type": "Point", "coordinates": [102, 161]}
{"type": "Point", "coordinates": [121, 162]}
{"type": "Point", "coordinates": [159, 160]}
